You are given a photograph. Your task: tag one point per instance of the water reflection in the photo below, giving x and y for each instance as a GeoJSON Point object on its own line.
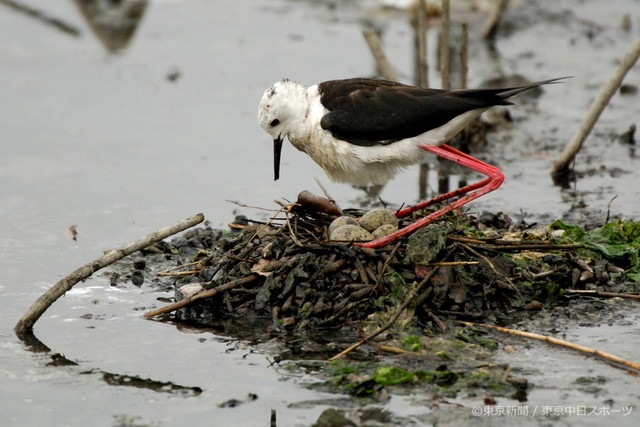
{"type": "Point", "coordinates": [148, 384]}
{"type": "Point", "coordinates": [114, 22]}
{"type": "Point", "coordinates": [34, 345]}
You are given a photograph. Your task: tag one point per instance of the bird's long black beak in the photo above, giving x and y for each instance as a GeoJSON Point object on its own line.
{"type": "Point", "coordinates": [277, 149]}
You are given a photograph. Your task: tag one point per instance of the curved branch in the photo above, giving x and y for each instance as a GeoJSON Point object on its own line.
{"type": "Point", "coordinates": [25, 324]}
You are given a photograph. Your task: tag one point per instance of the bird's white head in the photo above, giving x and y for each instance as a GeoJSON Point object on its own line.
{"type": "Point", "coordinates": [282, 108]}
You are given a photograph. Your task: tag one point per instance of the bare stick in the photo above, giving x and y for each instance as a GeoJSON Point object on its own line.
{"type": "Point", "coordinates": [292, 233]}
{"type": "Point", "coordinates": [439, 323]}
{"type": "Point", "coordinates": [454, 263]}
{"type": "Point", "coordinates": [172, 271]}
{"type": "Point", "coordinates": [421, 46]}
{"type": "Point", "coordinates": [396, 350]}
{"type": "Point", "coordinates": [606, 220]}
{"type": "Point", "coordinates": [242, 205]}
{"type": "Point", "coordinates": [583, 349]}
{"type": "Point", "coordinates": [494, 19]}
{"type": "Point", "coordinates": [56, 291]}
{"type": "Point", "coordinates": [515, 245]}
{"type": "Point", "coordinates": [208, 293]}
{"type": "Point", "coordinates": [375, 45]}
{"type": "Point", "coordinates": [386, 265]}
{"type": "Point", "coordinates": [598, 105]}
{"type": "Point", "coordinates": [595, 293]}
{"type": "Point", "coordinates": [445, 53]}
{"type": "Point", "coordinates": [464, 55]}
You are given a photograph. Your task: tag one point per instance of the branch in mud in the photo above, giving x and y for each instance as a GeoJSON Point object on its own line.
{"type": "Point", "coordinates": [515, 245]}
{"type": "Point", "coordinates": [606, 356]}
{"type": "Point", "coordinates": [594, 293]}
{"type": "Point", "coordinates": [385, 69]}
{"type": "Point", "coordinates": [25, 324]}
{"type": "Point", "coordinates": [602, 100]}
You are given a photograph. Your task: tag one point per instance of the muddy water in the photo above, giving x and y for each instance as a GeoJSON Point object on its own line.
{"type": "Point", "coordinates": [121, 144]}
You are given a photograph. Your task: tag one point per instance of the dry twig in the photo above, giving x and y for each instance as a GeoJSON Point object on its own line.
{"type": "Point", "coordinates": [454, 263]}
{"type": "Point", "coordinates": [242, 205]}
{"type": "Point", "coordinates": [464, 55]}
{"type": "Point", "coordinates": [609, 357]}
{"type": "Point", "coordinates": [598, 105]}
{"type": "Point", "coordinates": [375, 45]}
{"type": "Point", "coordinates": [396, 350]}
{"type": "Point", "coordinates": [421, 46]}
{"type": "Point", "coordinates": [386, 265]}
{"type": "Point", "coordinates": [172, 271]}
{"type": "Point", "coordinates": [445, 51]}
{"type": "Point", "coordinates": [514, 245]}
{"type": "Point", "coordinates": [327, 195]}
{"type": "Point", "coordinates": [594, 293]}
{"type": "Point", "coordinates": [292, 233]}
{"type": "Point", "coordinates": [441, 325]}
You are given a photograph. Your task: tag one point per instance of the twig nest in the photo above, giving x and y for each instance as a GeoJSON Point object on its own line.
{"type": "Point", "coordinates": [350, 233]}
{"type": "Point", "coordinates": [384, 230]}
{"type": "Point", "coordinates": [340, 221]}
{"type": "Point", "coordinates": [378, 217]}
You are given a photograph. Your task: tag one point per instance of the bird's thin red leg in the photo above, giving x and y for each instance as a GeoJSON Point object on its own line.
{"type": "Point", "coordinates": [450, 153]}
{"type": "Point", "coordinates": [494, 179]}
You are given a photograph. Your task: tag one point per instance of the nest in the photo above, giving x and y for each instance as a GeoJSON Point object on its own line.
{"type": "Point", "coordinates": [286, 273]}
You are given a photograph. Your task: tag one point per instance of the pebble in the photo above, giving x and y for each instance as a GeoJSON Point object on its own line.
{"type": "Point", "coordinates": [190, 289]}
{"type": "Point", "coordinates": [139, 264]}
{"type": "Point", "coordinates": [137, 278]}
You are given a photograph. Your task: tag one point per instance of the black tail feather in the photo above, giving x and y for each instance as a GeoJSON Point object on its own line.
{"type": "Point", "coordinates": [509, 92]}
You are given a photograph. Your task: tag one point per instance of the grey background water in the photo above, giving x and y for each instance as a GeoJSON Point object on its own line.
{"type": "Point", "coordinates": [109, 143]}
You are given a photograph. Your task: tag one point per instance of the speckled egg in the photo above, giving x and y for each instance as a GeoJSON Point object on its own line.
{"type": "Point", "coordinates": [342, 220]}
{"type": "Point", "coordinates": [377, 217]}
{"type": "Point", "coordinates": [384, 230]}
{"type": "Point", "coordinates": [350, 233]}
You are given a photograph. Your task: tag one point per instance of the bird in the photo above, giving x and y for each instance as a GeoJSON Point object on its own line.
{"type": "Point", "coordinates": [364, 131]}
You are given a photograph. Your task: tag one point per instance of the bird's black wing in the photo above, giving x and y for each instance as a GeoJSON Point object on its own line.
{"type": "Point", "coordinates": [371, 112]}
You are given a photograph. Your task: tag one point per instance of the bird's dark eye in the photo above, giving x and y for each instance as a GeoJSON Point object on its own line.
{"type": "Point", "coordinates": [274, 122]}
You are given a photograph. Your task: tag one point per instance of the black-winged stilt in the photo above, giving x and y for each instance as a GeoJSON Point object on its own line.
{"type": "Point", "coordinates": [363, 131]}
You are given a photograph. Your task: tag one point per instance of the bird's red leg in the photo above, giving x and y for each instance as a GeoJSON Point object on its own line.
{"type": "Point", "coordinates": [450, 153]}
{"type": "Point", "coordinates": [494, 179]}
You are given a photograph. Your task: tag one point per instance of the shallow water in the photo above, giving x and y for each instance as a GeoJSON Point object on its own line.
{"type": "Point", "coordinates": [108, 142]}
